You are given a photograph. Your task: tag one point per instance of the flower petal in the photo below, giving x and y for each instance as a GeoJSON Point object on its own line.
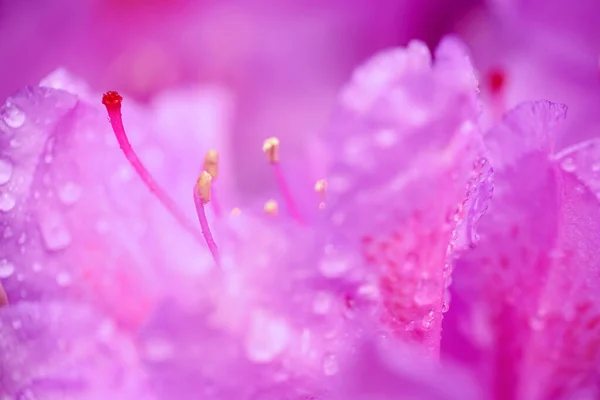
{"type": "Point", "coordinates": [407, 166]}
{"type": "Point", "coordinates": [532, 281]}
{"type": "Point", "coordinates": [77, 221]}
{"type": "Point", "coordinates": [63, 349]}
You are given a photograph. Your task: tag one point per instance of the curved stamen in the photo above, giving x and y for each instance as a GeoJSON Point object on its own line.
{"type": "Point", "coordinates": [112, 101]}
{"type": "Point", "coordinates": [201, 197]}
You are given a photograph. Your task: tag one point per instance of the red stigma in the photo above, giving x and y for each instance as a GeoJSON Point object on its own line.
{"type": "Point", "coordinates": [112, 99]}
{"type": "Point", "coordinates": [496, 79]}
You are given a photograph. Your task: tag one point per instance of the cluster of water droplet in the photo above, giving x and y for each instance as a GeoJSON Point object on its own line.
{"type": "Point", "coordinates": [479, 190]}
{"type": "Point", "coordinates": [53, 229]}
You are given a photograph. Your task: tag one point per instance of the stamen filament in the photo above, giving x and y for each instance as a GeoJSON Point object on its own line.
{"type": "Point", "coordinates": [112, 102]}
{"type": "Point", "coordinates": [201, 197]}
{"type": "Point", "coordinates": [211, 165]}
{"type": "Point", "coordinates": [271, 149]}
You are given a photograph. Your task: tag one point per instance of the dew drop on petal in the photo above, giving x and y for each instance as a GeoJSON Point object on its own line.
{"type": "Point", "coordinates": [36, 267]}
{"type": "Point", "coordinates": [158, 349]}
{"type": "Point", "coordinates": [7, 202]}
{"type": "Point", "coordinates": [446, 304]}
{"type": "Point", "coordinates": [63, 279]}
{"type": "Point", "coordinates": [267, 337]}
{"type": "Point", "coordinates": [568, 164]}
{"type": "Point", "coordinates": [6, 169]}
{"type": "Point", "coordinates": [428, 319]}
{"type": "Point", "coordinates": [55, 234]}
{"type": "Point", "coordinates": [330, 364]}
{"type": "Point", "coordinates": [13, 116]}
{"type": "Point", "coordinates": [426, 293]}
{"type": "Point", "coordinates": [322, 303]}
{"type": "Point", "coordinates": [17, 324]}
{"type": "Point", "coordinates": [6, 268]}
{"type": "Point", "coordinates": [69, 193]}
{"type": "Point", "coordinates": [334, 264]}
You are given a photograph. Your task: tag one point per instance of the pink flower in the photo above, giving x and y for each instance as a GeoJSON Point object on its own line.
{"type": "Point", "coordinates": [113, 293]}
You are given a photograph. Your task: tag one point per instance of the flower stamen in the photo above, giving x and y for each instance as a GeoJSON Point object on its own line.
{"type": "Point", "coordinates": [211, 165]}
{"type": "Point", "coordinates": [112, 101]}
{"type": "Point", "coordinates": [202, 197]}
{"type": "Point", "coordinates": [271, 149]}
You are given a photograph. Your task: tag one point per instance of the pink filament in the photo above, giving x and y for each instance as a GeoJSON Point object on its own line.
{"type": "Point", "coordinates": [212, 246]}
{"type": "Point", "coordinates": [116, 121]}
{"type": "Point", "coordinates": [286, 193]}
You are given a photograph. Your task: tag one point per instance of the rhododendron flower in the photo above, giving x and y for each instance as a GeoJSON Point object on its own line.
{"type": "Point", "coordinates": [113, 290]}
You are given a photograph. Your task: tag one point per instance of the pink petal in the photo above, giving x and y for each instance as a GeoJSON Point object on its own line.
{"type": "Point", "coordinates": [530, 284]}
{"type": "Point", "coordinates": [78, 222]}
{"type": "Point", "coordinates": [58, 349]}
{"type": "Point", "coordinates": [407, 168]}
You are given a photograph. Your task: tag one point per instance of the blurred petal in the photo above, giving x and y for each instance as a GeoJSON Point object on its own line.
{"type": "Point", "coordinates": [57, 350]}
{"type": "Point", "coordinates": [407, 167]}
{"type": "Point", "coordinates": [385, 371]}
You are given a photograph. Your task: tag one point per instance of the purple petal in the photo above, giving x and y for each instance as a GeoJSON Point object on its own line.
{"type": "Point", "coordinates": [77, 222]}
{"type": "Point", "coordinates": [380, 369]}
{"type": "Point", "coordinates": [407, 180]}
{"type": "Point", "coordinates": [531, 284]}
{"type": "Point", "coordinates": [64, 349]}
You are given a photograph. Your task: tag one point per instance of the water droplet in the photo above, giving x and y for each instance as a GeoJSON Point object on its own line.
{"type": "Point", "coordinates": [13, 116]}
{"type": "Point", "coordinates": [267, 337]}
{"type": "Point", "coordinates": [36, 267]}
{"type": "Point", "coordinates": [428, 319]}
{"type": "Point", "coordinates": [6, 169]}
{"type": "Point", "coordinates": [158, 349]}
{"type": "Point", "coordinates": [106, 330]}
{"type": "Point", "coordinates": [69, 193]}
{"type": "Point", "coordinates": [17, 324]}
{"type": "Point", "coordinates": [386, 138]}
{"type": "Point", "coordinates": [102, 227]}
{"type": "Point", "coordinates": [6, 268]}
{"type": "Point", "coordinates": [55, 233]}
{"type": "Point", "coordinates": [63, 279]}
{"type": "Point", "coordinates": [22, 238]}
{"type": "Point", "coordinates": [426, 293]}
{"type": "Point", "coordinates": [446, 303]}
{"type": "Point", "coordinates": [333, 264]}
{"type": "Point", "coordinates": [536, 323]}
{"type": "Point", "coordinates": [322, 303]}
{"type": "Point", "coordinates": [330, 365]}
{"type": "Point", "coordinates": [7, 202]}
{"type": "Point", "coordinates": [568, 164]}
